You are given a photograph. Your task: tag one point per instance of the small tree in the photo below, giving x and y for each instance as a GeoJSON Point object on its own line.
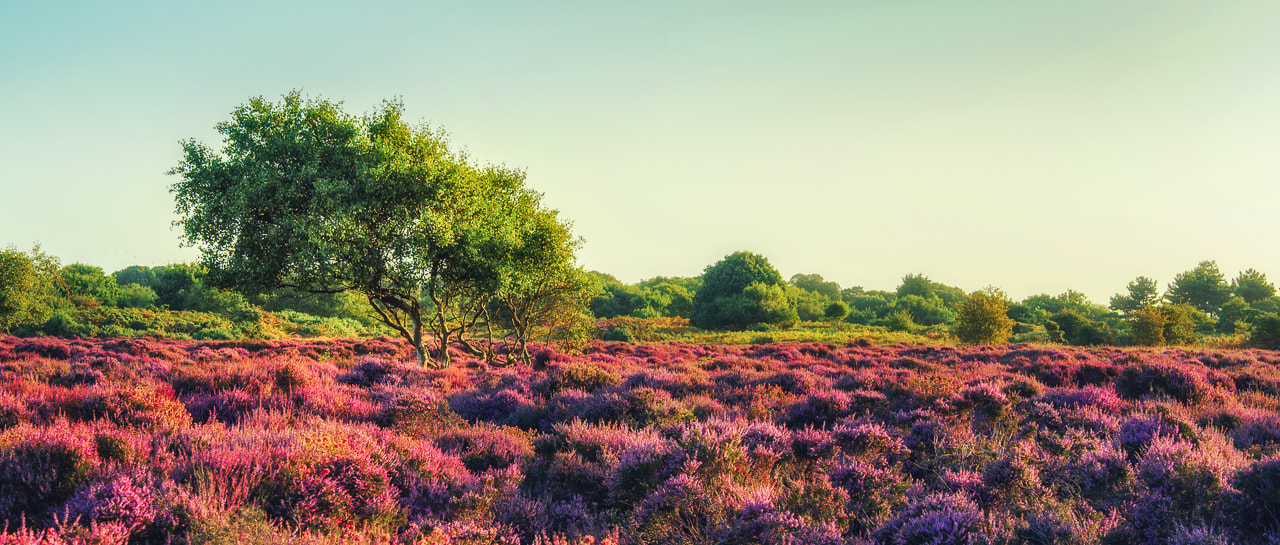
{"type": "Point", "coordinates": [28, 287]}
{"type": "Point", "coordinates": [983, 319]}
{"type": "Point", "coordinates": [1143, 292]}
{"type": "Point", "coordinates": [718, 303]}
{"type": "Point", "coordinates": [836, 311]}
{"type": "Point", "coordinates": [1147, 324]}
{"type": "Point", "coordinates": [1266, 332]}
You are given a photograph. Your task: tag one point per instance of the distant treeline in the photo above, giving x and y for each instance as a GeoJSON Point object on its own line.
{"type": "Point", "coordinates": [39, 296]}
{"type": "Point", "coordinates": [1198, 303]}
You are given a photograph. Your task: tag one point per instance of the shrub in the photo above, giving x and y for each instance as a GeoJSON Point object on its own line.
{"type": "Point", "coordinates": [937, 519]}
{"type": "Point", "coordinates": [41, 468]}
{"type": "Point", "coordinates": [1162, 379]}
{"type": "Point", "coordinates": [1257, 509]}
{"type": "Point", "coordinates": [983, 318]}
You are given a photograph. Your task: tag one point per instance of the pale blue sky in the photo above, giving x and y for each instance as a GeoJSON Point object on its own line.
{"type": "Point", "coordinates": [1035, 146]}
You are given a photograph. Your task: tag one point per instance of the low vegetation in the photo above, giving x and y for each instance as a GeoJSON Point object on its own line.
{"type": "Point", "coordinates": [348, 441]}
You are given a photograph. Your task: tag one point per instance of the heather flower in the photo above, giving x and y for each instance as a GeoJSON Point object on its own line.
{"type": "Point", "coordinates": [128, 499]}
{"type": "Point", "coordinates": [1100, 473]}
{"type": "Point", "coordinates": [1164, 378]}
{"type": "Point", "coordinates": [820, 408]}
{"type": "Point", "coordinates": [371, 370]}
{"type": "Point", "coordinates": [1257, 508]}
{"type": "Point", "coordinates": [1139, 431]}
{"type": "Point", "coordinates": [874, 490]}
{"type": "Point", "coordinates": [1012, 482]}
{"type": "Point", "coordinates": [937, 519]}
{"type": "Point", "coordinates": [817, 500]}
{"type": "Point", "coordinates": [868, 440]}
{"type": "Point", "coordinates": [1260, 434]}
{"type": "Point", "coordinates": [1089, 396]}
{"type": "Point", "coordinates": [484, 447]}
{"type": "Point", "coordinates": [41, 468]}
{"type": "Point", "coordinates": [811, 444]}
{"type": "Point", "coordinates": [796, 382]}
{"type": "Point", "coordinates": [765, 440]}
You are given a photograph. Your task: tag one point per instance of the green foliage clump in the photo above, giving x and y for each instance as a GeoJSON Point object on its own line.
{"type": "Point", "coordinates": [29, 285]}
{"type": "Point", "coordinates": [740, 290]}
{"type": "Point", "coordinates": [1266, 332]}
{"type": "Point", "coordinates": [1203, 287]}
{"type": "Point", "coordinates": [983, 319]}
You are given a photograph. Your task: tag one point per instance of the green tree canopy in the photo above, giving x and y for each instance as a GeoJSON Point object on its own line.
{"type": "Point", "coordinates": [88, 287]}
{"type": "Point", "coordinates": [305, 196]}
{"type": "Point", "coordinates": [1143, 292]}
{"type": "Point", "coordinates": [916, 284]}
{"type": "Point", "coordinates": [1203, 287]}
{"type": "Point", "coordinates": [983, 319]}
{"type": "Point", "coordinates": [815, 283]}
{"type": "Point", "coordinates": [718, 305]}
{"type": "Point", "coordinates": [28, 284]}
{"type": "Point", "coordinates": [1252, 286]}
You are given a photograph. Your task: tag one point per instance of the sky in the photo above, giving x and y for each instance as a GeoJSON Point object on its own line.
{"type": "Point", "coordinates": [1032, 146]}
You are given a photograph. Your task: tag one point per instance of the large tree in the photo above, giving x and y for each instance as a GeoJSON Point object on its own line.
{"type": "Point", "coordinates": [307, 197]}
{"type": "Point", "coordinates": [1143, 292]}
{"type": "Point", "coordinates": [1203, 287]}
{"type": "Point", "coordinates": [1252, 286]}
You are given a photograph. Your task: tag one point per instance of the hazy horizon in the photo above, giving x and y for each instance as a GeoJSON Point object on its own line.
{"type": "Point", "coordinates": [1033, 147]}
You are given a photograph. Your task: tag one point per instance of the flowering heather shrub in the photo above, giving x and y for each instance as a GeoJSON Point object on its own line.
{"type": "Point", "coordinates": [812, 445]}
{"type": "Point", "coordinates": [937, 519]}
{"type": "Point", "coordinates": [128, 499]}
{"type": "Point", "coordinates": [349, 489]}
{"type": "Point", "coordinates": [1090, 396]}
{"type": "Point", "coordinates": [68, 533]}
{"type": "Point", "coordinates": [1149, 520]}
{"type": "Point", "coordinates": [76, 374]}
{"type": "Point", "coordinates": [874, 490]}
{"type": "Point", "coordinates": [1013, 482]}
{"type": "Point", "coordinates": [1259, 434]}
{"type": "Point", "coordinates": [681, 382]}
{"type": "Point", "coordinates": [496, 407]}
{"type": "Point", "coordinates": [430, 481]}
{"type": "Point", "coordinates": [645, 407]}
{"type": "Point", "coordinates": [484, 447]}
{"type": "Point", "coordinates": [764, 440]}
{"type": "Point", "coordinates": [578, 375]}
{"type": "Point", "coordinates": [41, 467]}
{"type": "Point", "coordinates": [821, 408]}
{"type": "Point", "coordinates": [680, 510]}
{"type": "Point", "coordinates": [1098, 474]}
{"type": "Point", "coordinates": [419, 414]}
{"type": "Point", "coordinates": [1258, 377]}
{"type": "Point", "coordinates": [1139, 431]}
{"type": "Point", "coordinates": [869, 440]}
{"type": "Point", "coordinates": [1256, 509]}
{"type": "Point", "coordinates": [343, 402]}
{"type": "Point", "coordinates": [641, 469]}
{"type": "Point", "coordinates": [1023, 388]}
{"type": "Point", "coordinates": [372, 370]}
{"type": "Point", "coordinates": [796, 382]}
{"type": "Point", "coordinates": [759, 521]}
{"type": "Point", "coordinates": [13, 409]}
{"type": "Point", "coordinates": [1156, 378]}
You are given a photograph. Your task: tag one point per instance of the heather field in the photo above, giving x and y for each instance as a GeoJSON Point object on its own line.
{"type": "Point", "coordinates": [344, 441]}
